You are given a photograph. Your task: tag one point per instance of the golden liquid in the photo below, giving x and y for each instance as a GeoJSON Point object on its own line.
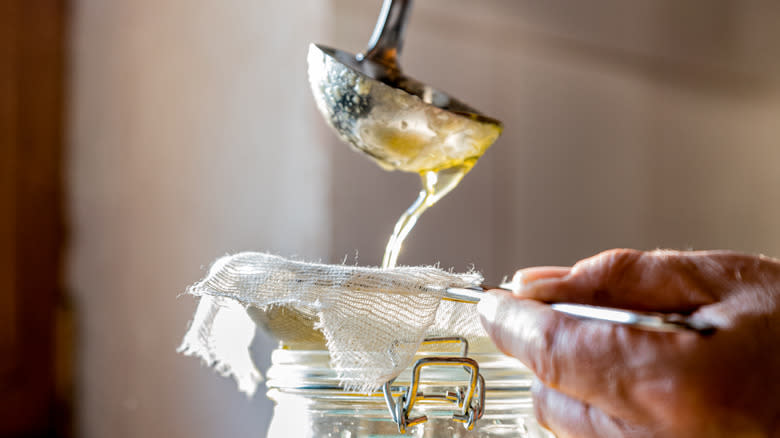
{"type": "Point", "coordinates": [436, 184]}
{"type": "Point", "coordinates": [433, 144]}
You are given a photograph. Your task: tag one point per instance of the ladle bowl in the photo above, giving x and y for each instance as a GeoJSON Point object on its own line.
{"type": "Point", "coordinates": [403, 124]}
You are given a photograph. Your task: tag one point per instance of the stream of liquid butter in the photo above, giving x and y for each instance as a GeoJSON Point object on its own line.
{"type": "Point", "coordinates": [435, 184]}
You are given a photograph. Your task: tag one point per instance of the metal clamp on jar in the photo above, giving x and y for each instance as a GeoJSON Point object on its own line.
{"type": "Point", "coordinates": [429, 399]}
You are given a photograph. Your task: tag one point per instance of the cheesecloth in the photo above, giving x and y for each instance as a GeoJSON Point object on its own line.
{"type": "Point", "coordinates": [371, 320]}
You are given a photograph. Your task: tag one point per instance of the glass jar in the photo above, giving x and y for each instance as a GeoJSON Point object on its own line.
{"type": "Point", "coordinates": [309, 402]}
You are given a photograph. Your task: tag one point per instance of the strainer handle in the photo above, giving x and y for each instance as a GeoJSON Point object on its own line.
{"type": "Point", "coordinates": [662, 322]}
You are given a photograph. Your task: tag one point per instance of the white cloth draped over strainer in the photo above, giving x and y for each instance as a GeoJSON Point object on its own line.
{"type": "Point", "coordinates": [373, 319]}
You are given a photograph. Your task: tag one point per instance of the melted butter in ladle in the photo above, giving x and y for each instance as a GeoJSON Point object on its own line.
{"type": "Point", "coordinates": [428, 138]}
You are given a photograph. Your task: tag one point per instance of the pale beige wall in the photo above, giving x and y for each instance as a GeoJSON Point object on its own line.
{"type": "Point", "coordinates": [191, 136]}
{"type": "Point", "coordinates": [628, 123]}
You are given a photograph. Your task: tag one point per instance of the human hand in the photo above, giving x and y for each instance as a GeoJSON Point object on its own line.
{"type": "Point", "coordinates": [597, 379]}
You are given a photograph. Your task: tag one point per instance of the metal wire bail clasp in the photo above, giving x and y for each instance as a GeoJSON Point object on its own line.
{"type": "Point", "coordinates": [469, 399]}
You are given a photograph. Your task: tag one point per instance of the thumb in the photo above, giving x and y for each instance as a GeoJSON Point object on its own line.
{"type": "Point", "coordinates": [660, 281]}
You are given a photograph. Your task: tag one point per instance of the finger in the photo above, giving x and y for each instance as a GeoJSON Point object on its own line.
{"type": "Point", "coordinates": [569, 417]}
{"type": "Point", "coordinates": [529, 275]}
{"type": "Point", "coordinates": [599, 362]}
{"type": "Point", "coordinates": [661, 281]}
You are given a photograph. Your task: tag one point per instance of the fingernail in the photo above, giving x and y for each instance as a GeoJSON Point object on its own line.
{"type": "Point", "coordinates": [526, 277]}
{"type": "Point", "coordinates": [488, 306]}
{"type": "Point", "coordinates": [517, 282]}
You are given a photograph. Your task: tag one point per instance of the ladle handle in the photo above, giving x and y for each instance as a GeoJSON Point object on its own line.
{"type": "Point", "coordinates": [385, 44]}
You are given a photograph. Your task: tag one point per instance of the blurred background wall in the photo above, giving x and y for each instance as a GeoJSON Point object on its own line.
{"type": "Point", "coordinates": [192, 133]}
{"type": "Point", "coordinates": [192, 136]}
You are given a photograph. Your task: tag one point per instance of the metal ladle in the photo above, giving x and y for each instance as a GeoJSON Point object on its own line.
{"type": "Point", "coordinates": [403, 124]}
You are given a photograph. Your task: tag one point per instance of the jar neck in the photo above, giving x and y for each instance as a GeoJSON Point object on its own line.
{"type": "Point", "coordinates": [307, 374]}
